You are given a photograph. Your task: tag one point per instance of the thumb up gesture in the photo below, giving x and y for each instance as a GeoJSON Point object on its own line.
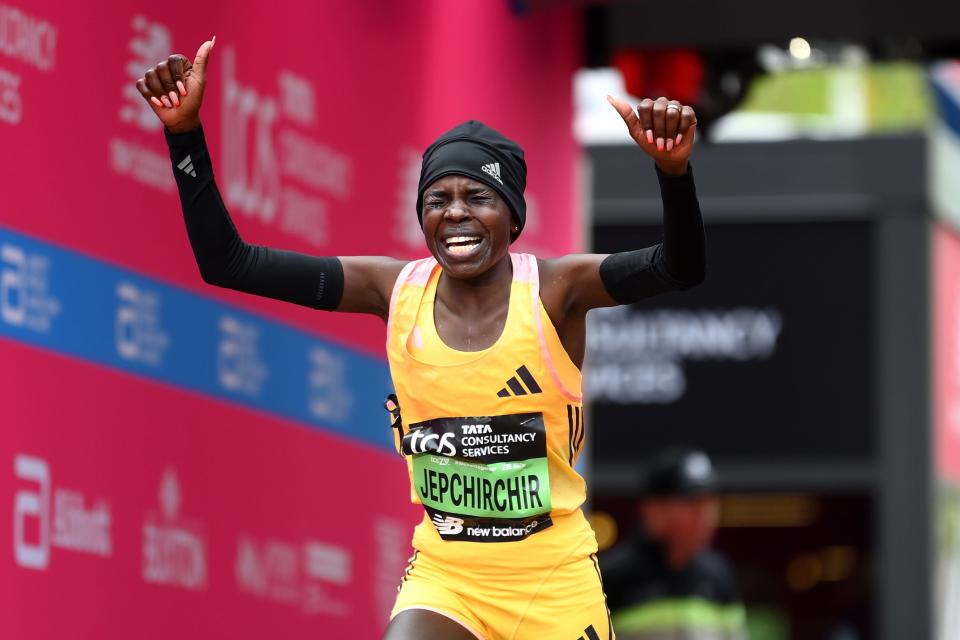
{"type": "Point", "coordinates": [663, 128]}
{"type": "Point", "coordinates": [174, 88]}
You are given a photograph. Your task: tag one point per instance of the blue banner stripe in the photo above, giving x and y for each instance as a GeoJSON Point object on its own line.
{"type": "Point", "coordinates": [948, 105]}
{"type": "Point", "coordinates": [60, 300]}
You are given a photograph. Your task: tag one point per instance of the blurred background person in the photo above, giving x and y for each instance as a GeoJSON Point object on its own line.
{"type": "Point", "coordinates": [665, 581]}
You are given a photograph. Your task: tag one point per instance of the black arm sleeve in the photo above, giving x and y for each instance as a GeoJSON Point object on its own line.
{"type": "Point", "coordinates": [679, 262]}
{"type": "Point", "coordinates": [224, 258]}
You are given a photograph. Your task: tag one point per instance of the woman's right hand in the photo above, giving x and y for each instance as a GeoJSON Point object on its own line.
{"type": "Point", "coordinates": [174, 88]}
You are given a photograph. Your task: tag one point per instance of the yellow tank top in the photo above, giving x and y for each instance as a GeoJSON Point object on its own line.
{"type": "Point", "coordinates": [491, 437]}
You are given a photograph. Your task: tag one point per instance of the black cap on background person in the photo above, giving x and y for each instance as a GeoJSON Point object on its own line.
{"type": "Point", "coordinates": [679, 472]}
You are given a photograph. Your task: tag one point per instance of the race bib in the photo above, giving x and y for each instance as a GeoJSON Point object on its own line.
{"type": "Point", "coordinates": [482, 478]}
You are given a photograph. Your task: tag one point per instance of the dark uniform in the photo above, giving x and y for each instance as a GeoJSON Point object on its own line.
{"type": "Point", "coordinates": [651, 600]}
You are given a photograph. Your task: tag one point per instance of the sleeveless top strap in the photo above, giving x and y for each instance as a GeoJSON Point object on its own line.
{"type": "Point", "coordinates": [530, 271]}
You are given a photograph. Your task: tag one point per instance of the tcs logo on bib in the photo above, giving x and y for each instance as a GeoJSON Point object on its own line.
{"type": "Point", "coordinates": [417, 442]}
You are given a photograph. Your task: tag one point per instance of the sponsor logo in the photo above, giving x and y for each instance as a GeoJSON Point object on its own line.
{"type": "Point", "coordinates": [138, 335]}
{"type": "Point", "coordinates": [304, 576]}
{"type": "Point", "coordinates": [27, 38]}
{"type": "Point", "coordinates": [493, 531]}
{"type": "Point", "coordinates": [174, 550]}
{"type": "Point", "coordinates": [489, 438]}
{"type": "Point", "coordinates": [513, 384]}
{"type": "Point", "coordinates": [143, 160]}
{"type": "Point", "coordinates": [460, 527]}
{"type": "Point", "coordinates": [327, 395]}
{"type": "Point", "coordinates": [141, 163]}
{"type": "Point", "coordinates": [590, 633]}
{"type": "Point", "coordinates": [239, 366]}
{"type": "Point", "coordinates": [186, 165]}
{"type": "Point", "coordinates": [327, 563]}
{"type": "Point", "coordinates": [493, 170]}
{"type": "Point", "coordinates": [25, 298]}
{"type": "Point", "coordinates": [271, 170]}
{"type": "Point", "coordinates": [638, 357]}
{"type": "Point", "coordinates": [298, 100]}
{"type": "Point", "coordinates": [65, 522]}
{"type": "Point", "coordinates": [151, 41]}
{"type": "Point", "coordinates": [267, 570]}
{"type": "Point", "coordinates": [417, 442]}
{"type": "Point", "coordinates": [448, 525]}
{"type": "Point", "coordinates": [11, 104]}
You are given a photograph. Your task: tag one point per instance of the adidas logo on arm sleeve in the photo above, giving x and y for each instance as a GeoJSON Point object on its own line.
{"type": "Point", "coordinates": [186, 165]}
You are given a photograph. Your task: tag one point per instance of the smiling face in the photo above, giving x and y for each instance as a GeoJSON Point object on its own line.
{"type": "Point", "coordinates": [467, 226]}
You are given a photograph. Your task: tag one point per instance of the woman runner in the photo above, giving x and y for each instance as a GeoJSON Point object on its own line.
{"type": "Point", "coordinates": [485, 348]}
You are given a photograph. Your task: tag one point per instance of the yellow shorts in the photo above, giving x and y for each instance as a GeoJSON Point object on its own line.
{"type": "Point", "coordinates": [564, 603]}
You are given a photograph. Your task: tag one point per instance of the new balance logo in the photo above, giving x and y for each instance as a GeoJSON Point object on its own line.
{"type": "Point", "coordinates": [186, 165]}
{"type": "Point", "coordinates": [517, 388]}
{"type": "Point", "coordinates": [447, 526]}
{"type": "Point", "coordinates": [493, 169]}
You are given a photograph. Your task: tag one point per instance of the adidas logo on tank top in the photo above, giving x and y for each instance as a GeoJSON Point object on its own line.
{"type": "Point", "coordinates": [518, 389]}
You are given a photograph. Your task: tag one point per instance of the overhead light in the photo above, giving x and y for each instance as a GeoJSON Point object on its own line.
{"type": "Point", "coordinates": [800, 48]}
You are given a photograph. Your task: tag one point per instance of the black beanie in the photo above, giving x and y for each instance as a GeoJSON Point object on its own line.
{"type": "Point", "coordinates": [475, 150]}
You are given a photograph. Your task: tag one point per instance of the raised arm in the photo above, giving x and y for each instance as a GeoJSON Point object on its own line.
{"type": "Point", "coordinates": [665, 130]}
{"type": "Point", "coordinates": [175, 90]}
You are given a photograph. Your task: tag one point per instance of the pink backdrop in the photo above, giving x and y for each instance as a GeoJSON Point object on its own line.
{"type": "Point", "coordinates": [946, 351]}
{"type": "Point", "coordinates": [141, 503]}
{"type": "Point", "coordinates": [327, 107]}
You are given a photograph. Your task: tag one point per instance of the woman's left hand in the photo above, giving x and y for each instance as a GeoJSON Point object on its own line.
{"type": "Point", "coordinates": [663, 128]}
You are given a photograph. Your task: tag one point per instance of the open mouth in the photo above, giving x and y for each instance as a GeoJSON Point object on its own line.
{"type": "Point", "coordinates": [461, 245]}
